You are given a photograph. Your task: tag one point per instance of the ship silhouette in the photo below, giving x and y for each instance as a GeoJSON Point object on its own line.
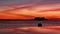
{"type": "Point", "coordinates": [38, 18]}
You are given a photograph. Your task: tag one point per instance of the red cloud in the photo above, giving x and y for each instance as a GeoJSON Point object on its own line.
{"type": "Point", "coordinates": [30, 11]}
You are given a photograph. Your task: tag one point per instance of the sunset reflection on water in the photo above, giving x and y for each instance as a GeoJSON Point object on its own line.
{"type": "Point", "coordinates": [31, 30]}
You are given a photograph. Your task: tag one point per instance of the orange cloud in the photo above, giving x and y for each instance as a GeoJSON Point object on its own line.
{"type": "Point", "coordinates": [12, 16]}
{"type": "Point", "coordinates": [29, 10]}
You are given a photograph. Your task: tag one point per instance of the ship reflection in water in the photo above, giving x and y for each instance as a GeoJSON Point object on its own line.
{"type": "Point", "coordinates": [30, 27]}
{"type": "Point", "coordinates": [31, 30]}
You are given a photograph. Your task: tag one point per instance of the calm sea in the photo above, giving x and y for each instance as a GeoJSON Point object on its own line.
{"type": "Point", "coordinates": [27, 27]}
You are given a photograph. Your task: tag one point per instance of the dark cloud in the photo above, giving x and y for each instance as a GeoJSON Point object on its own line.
{"type": "Point", "coordinates": [53, 1]}
{"type": "Point", "coordinates": [27, 1]}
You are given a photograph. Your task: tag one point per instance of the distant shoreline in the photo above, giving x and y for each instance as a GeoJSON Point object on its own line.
{"type": "Point", "coordinates": [18, 20]}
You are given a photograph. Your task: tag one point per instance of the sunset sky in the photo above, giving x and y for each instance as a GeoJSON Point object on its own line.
{"type": "Point", "coordinates": [29, 9]}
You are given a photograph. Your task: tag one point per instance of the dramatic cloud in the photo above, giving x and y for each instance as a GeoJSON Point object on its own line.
{"type": "Point", "coordinates": [30, 9]}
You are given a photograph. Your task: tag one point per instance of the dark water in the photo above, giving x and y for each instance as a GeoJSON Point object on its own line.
{"type": "Point", "coordinates": [8, 24]}
{"type": "Point", "coordinates": [31, 22]}
{"type": "Point", "coordinates": [27, 27]}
